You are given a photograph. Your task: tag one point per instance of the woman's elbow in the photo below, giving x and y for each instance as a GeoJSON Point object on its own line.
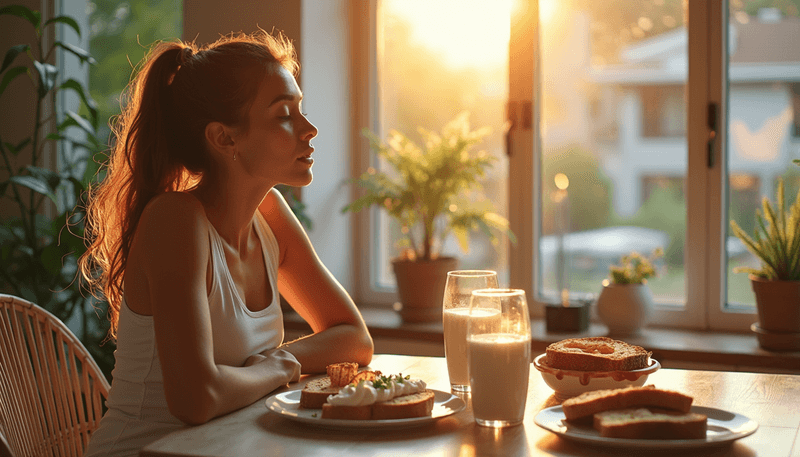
{"type": "Point", "coordinates": [365, 348]}
{"type": "Point", "coordinates": [193, 408]}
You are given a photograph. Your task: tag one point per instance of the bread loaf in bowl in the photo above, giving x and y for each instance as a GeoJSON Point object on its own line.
{"type": "Point", "coordinates": [596, 354]}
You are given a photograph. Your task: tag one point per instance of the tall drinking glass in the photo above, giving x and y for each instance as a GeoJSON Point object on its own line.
{"type": "Point", "coordinates": [457, 294]}
{"type": "Point", "coordinates": [499, 353]}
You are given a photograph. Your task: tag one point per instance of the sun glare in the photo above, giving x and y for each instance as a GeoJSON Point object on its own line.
{"type": "Point", "coordinates": [468, 33]}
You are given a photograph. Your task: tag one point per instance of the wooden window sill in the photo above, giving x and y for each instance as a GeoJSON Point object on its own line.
{"type": "Point", "coordinates": [673, 348]}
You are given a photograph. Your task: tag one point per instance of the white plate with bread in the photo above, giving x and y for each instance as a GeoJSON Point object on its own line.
{"type": "Point", "coordinates": [643, 417]}
{"type": "Point", "coordinates": [287, 404]}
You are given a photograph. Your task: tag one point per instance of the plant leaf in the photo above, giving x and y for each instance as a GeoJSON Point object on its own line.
{"type": "Point", "coordinates": [65, 20]}
{"type": "Point", "coordinates": [15, 148]}
{"type": "Point", "coordinates": [84, 56]}
{"type": "Point", "coordinates": [35, 184]}
{"type": "Point", "coordinates": [75, 86]}
{"type": "Point", "coordinates": [10, 75]}
{"type": "Point", "coordinates": [34, 17]}
{"type": "Point", "coordinates": [47, 77]}
{"type": "Point", "coordinates": [80, 122]}
{"type": "Point", "coordinates": [12, 54]}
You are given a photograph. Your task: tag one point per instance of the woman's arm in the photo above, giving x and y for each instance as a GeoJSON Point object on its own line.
{"type": "Point", "coordinates": [340, 333]}
{"type": "Point", "coordinates": [171, 252]}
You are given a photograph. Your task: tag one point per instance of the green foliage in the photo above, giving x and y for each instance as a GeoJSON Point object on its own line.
{"type": "Point", "coordinates": [38, 259]}
{"type": "Point", "coordinates": [434, 188]}
{"type": "Point", "coordinates": [589, 194]}
{"type": "Point", "coordinates": [776, 240]}
{"type": "Point", "coordinates": [121, 34]}
{"type": "Point", "coordinates": [635, 268]}
{"type": "Point", "coordinates": [664, 210]}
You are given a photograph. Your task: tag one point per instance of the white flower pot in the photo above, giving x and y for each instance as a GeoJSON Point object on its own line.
{"type": "Point", "coordinates": [625, 308]}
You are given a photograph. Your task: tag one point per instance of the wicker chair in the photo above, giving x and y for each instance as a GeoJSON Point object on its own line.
{"type": "Point", "coordinates": [51, 390]}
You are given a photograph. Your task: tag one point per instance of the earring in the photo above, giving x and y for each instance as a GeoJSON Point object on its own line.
{"type": "Point", "coordinates": [234, 156]}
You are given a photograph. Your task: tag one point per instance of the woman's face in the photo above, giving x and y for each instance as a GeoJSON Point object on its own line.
{"type": "Point", "coordinates": [277, 144]}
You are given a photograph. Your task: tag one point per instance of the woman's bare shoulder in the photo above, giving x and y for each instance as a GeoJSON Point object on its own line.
{"type": "Point", "coordinates": [172, 215]}
{"type": "Point", "coordinates": [174, 204]}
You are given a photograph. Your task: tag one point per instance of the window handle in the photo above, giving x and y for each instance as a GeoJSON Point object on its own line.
{"type": "Point", "coordinates": [713, 120]}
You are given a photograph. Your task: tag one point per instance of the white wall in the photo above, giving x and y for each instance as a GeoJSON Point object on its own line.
{"type": "Point", "coordinates": [326, 98]}
{"type": "Point", "coordinates": [320, 32]}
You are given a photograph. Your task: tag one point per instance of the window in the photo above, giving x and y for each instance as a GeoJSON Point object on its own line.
{"type": "Point", "coordinates": [435, 60]}
{"type": "Point", "coordinates": [762, 101]}
{"type": "Point", "coordinates": [663, 111]}
{"type": "Point", "coordinates": [618, 94]}
{"type": "Point", "coordinates": [795, 94]}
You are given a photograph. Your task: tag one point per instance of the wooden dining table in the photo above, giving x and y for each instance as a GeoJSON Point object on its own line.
{"type": "Point", "coordinates": [771, 400]}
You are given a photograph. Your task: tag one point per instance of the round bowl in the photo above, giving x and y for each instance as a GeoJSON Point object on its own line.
{"type": "Point", "coordinates": [570, 383]}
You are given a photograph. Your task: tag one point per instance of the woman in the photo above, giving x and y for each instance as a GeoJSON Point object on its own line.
{"type": "Point", "coordinates": [192, 245]}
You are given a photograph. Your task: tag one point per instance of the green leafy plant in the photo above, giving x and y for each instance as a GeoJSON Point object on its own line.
{"type": "Point", "coordinates": [776, 240]}
{"type": "Point", "coordinates": [635, 268]}
{"type": "Point", "coordinates": [41, 228]}
{"type": "Point", "coordinates": [430, 188]}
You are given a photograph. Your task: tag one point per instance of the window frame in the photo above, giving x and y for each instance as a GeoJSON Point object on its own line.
{"type": "Point", "coordinates": [706, 174]}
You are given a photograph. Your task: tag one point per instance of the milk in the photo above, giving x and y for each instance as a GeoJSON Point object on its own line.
{"type": "Point", "coordinates": [455, 341]}
{"type": "Point", "coordinates": [499, 365]}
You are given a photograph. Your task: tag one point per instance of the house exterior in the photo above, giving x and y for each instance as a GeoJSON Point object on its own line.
{"type": "Point", "coordinates": [639, 113]}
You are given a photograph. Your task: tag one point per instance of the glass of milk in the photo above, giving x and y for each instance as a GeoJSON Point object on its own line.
{"type": "Point", "coordinates": [457, 295]}
{"type": "Point", "coordinates": [499, 356]}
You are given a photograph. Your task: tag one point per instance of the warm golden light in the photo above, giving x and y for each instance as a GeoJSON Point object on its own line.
{"type": "Point", "coordinates": [467, 33]}
{"type": "Point", "coordinates": [547, 9]}
{"type": "Point", "coordinates": [562, 182]}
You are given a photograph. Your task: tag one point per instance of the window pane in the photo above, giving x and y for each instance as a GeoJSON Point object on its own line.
{"type": "Point", "coordinates": [437, 59]}
{"type": "Point", "coordinates": [763, 119]}
{"type": "Point", "coordinates": [614, 122]}
{"type": "Point", "coordinates": [120, 36]}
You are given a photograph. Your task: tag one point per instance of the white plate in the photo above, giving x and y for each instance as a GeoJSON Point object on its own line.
{"type": "Point", "coordinates": [723, 427]}
{"type": "Point", "coordinates": [287, 404]}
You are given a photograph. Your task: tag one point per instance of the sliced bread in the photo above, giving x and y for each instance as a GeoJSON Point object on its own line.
{"type": "Point", "coordinates": [596, 354]}
{"type": "Point", "coordinates": [316, 392]}
{"type": "Point", "coordinates": [650, 423]}
{"type": "Point", "coordinates": [419, 404]}
{"type": "Point", "coordinates": [589, 403]}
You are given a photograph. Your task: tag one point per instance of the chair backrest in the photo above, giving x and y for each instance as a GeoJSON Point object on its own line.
{"type": "Point", "coordinates": [51, 390]}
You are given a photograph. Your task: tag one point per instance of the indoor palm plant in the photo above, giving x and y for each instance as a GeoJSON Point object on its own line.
{"type": "Point", "coordinates": [776, 285]}
{"type": "Point", "coordinates": [41, 226]}
{"type": "Point", "coordinates": [432, 191]}
{"type": "Point", "coordinates": [626, 303]}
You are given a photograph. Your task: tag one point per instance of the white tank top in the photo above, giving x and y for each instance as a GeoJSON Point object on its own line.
{"type": "Point", "coordinates": [137, 408]}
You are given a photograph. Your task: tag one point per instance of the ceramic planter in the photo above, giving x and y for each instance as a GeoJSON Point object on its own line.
{"type": "Point", "coordinates": [420, 284]}
{"type": "Point", "coordinates": [778, 304]}
{"type": "Point", "coordinates": [625, 308]}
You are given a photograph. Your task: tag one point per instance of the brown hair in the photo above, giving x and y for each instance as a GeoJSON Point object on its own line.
{"type": "Point", "coordinates": [159, 146]}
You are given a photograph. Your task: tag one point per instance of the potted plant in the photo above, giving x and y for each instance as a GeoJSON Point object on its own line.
{"type": "Point", "coordinates": [776, 285]}
{"type": "Point", "coordinates": [428, 191]}
{"type": "Point", "coordinates": [41, 245]}
{"type": "Point", "coordinates": [626, 303]}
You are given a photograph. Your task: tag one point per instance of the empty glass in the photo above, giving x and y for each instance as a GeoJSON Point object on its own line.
{"type": "Point", "coordinates": [499, 356]}
{"type": "Point", "coordinates": [457, 295]}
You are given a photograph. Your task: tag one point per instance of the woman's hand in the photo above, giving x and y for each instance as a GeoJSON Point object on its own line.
{"type": "Point", "coordinates": [279, 361]}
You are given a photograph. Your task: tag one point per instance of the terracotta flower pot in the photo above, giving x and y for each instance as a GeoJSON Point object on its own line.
{"type": "Point", "coordinates": [625, 308]}
{"type": "Point", "coordinates": [778, 304]}
{"type": "Point", "coordinates": [420, 284]}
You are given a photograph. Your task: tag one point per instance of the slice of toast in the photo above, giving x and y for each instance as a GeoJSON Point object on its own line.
{"type": "Point", "coordinates": [596, 354]}
{"type": "Point", "coordinates": [589, 403]}
{"type": "Point", "coordinates": [316, 392]}
{"type": "Point", "coordinates": [419, 404]}
{"type": "Point", "coordinates": [650, 423]}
